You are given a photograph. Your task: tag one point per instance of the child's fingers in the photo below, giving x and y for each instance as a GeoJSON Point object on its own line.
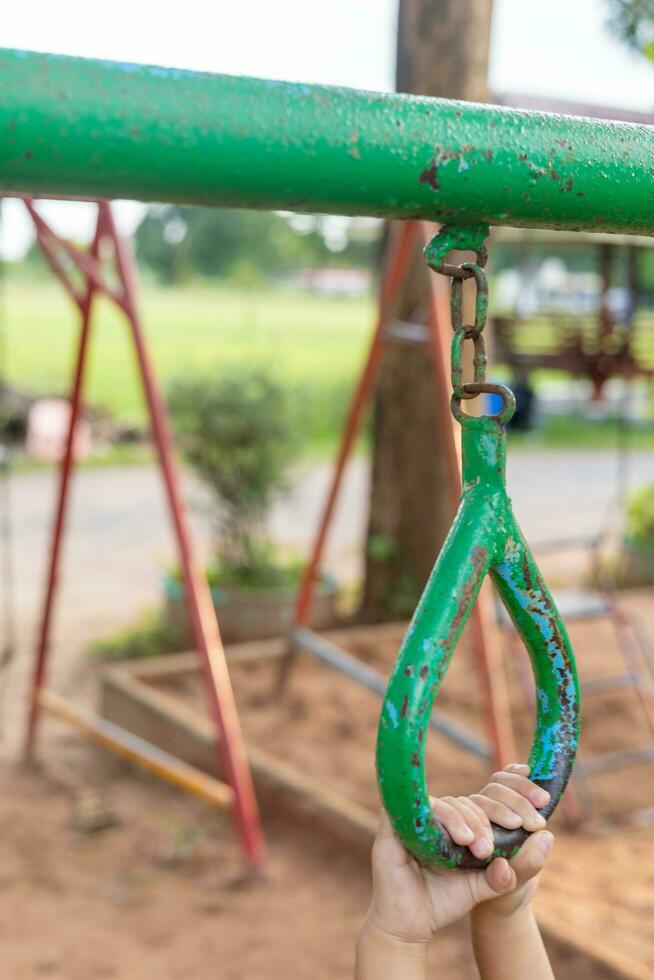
{"type": "Point", "coordinates": [514, 780]}
{"type": "Point", "coordinates": [474, 816]}
{"type": "Point", "coordinates": [527, 814]}
{"type": "Point", "coordinates": [451, 818]}
{"type": "Point", "coordinates": [509, 793]}
{"type": "Point", "coordinates": [499, 813]}
{"type": "Point", "coordinates": [478, 819]}
{"type": "Point", "coordinates": [465, 824]}
{"type": "Point", "coordinates": [530, 818]}
{"type": "Point", "coordinates": [520, 767]}
{"type": "Point", "coordinates": [484, 842]}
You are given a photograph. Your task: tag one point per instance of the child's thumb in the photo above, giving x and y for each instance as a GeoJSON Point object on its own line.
{"type": "Point", "coordinates": [497, 879]}
{"type": "Point", "coordinates": [531, 857]}
{"type": "Point", "coordinates": [501, 877]}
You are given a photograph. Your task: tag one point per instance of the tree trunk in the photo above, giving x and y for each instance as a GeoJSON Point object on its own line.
{"type": "Point", "coordinates": [442, 50]}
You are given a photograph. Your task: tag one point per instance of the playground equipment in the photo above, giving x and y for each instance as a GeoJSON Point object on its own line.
{"type": "Point", "coordinates": [484, 539]}
{"type": "Point", "coordinates": [236, 793]}
{"type": "Point", "coordinates": [599, 345]}
{"type": "Point", "coordinates": [403, 241]}
{"type": "Point", "coordinates": [102, 130]}
{"type": "Point", "coordinates": [84, 128]}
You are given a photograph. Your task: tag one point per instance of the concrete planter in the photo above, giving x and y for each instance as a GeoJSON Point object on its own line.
{"type": "Point", "coordinates": [248, 614]}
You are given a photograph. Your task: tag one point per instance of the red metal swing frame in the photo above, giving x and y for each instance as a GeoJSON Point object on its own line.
{"type": "Point", "coordinates": [236, 793]}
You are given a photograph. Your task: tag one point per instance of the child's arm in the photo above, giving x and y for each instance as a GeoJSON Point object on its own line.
{"type": "Point", "coordinates": [509, 945]}
{"type": "Point", "coordinates": [411, 902]}
{"type": "Point", "coordinates": [382, 957]}
{"type": "Point", "coordinates": [505, 936]}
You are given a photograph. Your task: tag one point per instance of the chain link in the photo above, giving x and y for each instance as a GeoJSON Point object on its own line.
{"type": "Point", "coordinates": [472, 239]}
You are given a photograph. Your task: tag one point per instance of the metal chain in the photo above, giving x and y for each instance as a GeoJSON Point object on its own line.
{"type": "Point", "coordinates": [470, 238]}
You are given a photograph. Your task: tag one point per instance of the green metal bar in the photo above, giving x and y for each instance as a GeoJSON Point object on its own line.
{"type": "Point", "coordinates": [71, 126]}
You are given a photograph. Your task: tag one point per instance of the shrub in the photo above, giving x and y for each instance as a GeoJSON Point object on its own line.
{"type": "Point", "coordinates": [238, 432]}
{"type": "Point", "coordinates": [151, 636]}
{"type": "Point", "coordinates": [640, 516]}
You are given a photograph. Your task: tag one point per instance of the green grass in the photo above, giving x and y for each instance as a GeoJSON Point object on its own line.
{"type": "Point", "coordinates": [578, 433]}
{"type": "Point", "coordinates": [150, 636]}
{"type": "Point", "coordinates": [106, 455]}
{"type": "Point", "coordinates": [315, 344]}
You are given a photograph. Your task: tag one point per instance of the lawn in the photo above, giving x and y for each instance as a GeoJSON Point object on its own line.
{"type": "Point", "coordinates": [315, 344]}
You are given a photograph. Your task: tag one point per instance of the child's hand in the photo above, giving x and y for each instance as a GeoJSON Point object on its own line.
{"type": "Point", "coordinates": [411, 902]}
{"type": "Point", "coordinates": [511, 800]}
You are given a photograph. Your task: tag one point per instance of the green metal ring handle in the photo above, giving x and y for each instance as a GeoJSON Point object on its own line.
{"type": "Point", "coordinates": [484, 539]}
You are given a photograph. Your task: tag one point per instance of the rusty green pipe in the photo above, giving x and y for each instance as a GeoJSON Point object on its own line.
{"type": "Point", "coordinates": [484, 539]}
{"type": "Point", "coordinates": [71, 126]}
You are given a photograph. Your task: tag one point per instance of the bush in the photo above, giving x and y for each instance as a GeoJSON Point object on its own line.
{"type": "Point", "coordinates": [640, 516]}
{"type": "Point", "coordinates": [150, 637]}
{"type": "Point", "coordinates": [238, 432]}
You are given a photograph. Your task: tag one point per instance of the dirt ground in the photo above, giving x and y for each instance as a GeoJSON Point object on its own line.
{"type": "Point", "coordinates": [162, 893]}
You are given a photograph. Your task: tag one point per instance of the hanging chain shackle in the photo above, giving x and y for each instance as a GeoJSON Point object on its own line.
{"type": "Point", "coordinates": [484, 539]}
{"type": "Point", "coordinates": [470, 238]}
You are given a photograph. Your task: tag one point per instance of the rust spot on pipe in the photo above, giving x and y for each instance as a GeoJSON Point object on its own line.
{"type": "Point", "coordinates": [478, 557]}
{"type": "Point", "coordinates": [430, 176]}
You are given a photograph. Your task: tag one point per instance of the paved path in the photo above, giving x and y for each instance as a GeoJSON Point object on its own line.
{"type": "Point", "coordinates": [119, 540]}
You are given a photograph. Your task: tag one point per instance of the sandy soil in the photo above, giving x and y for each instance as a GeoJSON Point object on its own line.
{"type": "Point", "coordinates": [322, 709]}
{"type": "Point", "coordinates": [326, 727]}
{"type": "Point", "coordinates": [163, 892]}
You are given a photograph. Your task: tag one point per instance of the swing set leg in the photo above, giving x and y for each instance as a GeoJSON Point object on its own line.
{"type": "Point", "coordinates": [204, 623]}
{"type": "Point", "coordinates": [198, 598]}
{"type": "Point", "coordinates": [85, 305]}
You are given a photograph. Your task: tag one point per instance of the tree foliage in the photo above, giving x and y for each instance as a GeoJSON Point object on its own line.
{"type": "Point", "coordinates": [633, 22]}
{"type": "Point", "coordinates": [640, 516]}
{"type": "Point", "coordinates": [177, 242]}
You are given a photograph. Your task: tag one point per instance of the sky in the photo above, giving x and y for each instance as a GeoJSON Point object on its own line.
{"type": "Point", "coordinates": [560, 48]}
